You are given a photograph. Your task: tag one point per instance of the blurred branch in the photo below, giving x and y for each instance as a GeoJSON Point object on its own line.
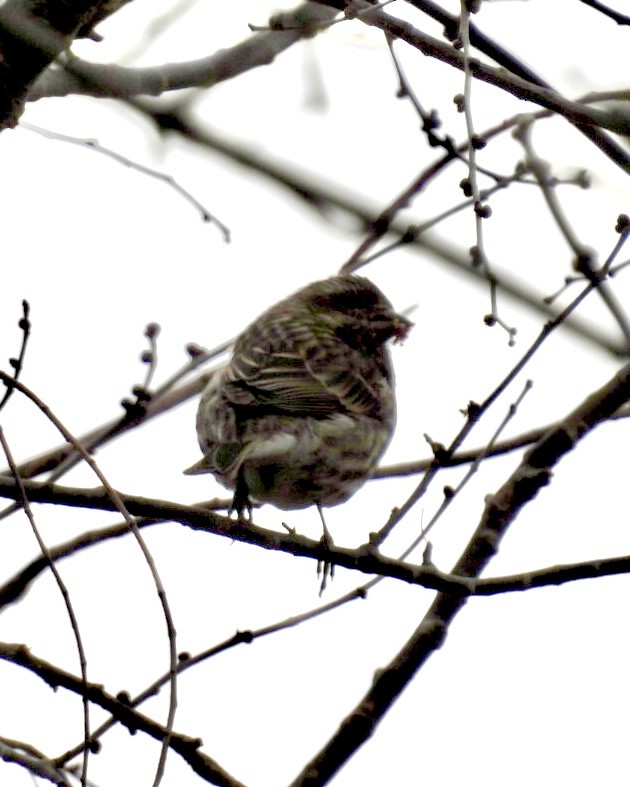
{"type": "Point", "coordinates": [584, 256]}
{"type": "Point", "coordinates": [32, 35]}
{"type": "Point", "coordinates": [98, 13]}
{"type": "Point", "coordinates": [620, 19]}
{"type": "Point", "coordinates": [157, 27]}
{"type": "Point", "coordinates": [80, 77]}
{"type": "Point", "coordinates": [324, 197]}
{"type": "Point", "coordinates": [33, 761]}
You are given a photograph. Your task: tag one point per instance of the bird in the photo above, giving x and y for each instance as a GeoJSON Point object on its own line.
{"type": "Point", "coordinates": [305, 407]}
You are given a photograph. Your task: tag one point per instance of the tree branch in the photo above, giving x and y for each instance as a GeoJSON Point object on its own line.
{"type": "Point", "coordinates": [32, 35]}
{"type": "Point", "coordinates": [585, 119]}
{"type": "Point", "coordinates": [80, 77]}
{"type": "Point", "coordinates": [188, 748]}
{"type": "Point", "coordinates": [502, 508]}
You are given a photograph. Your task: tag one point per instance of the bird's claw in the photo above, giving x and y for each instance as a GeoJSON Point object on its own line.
{"type": "Point", "coordinates": [241, 507]}
{"type": "Point", "coordinates": [241, 501]}
{"type": "Point", "coordinates": [325, 569]}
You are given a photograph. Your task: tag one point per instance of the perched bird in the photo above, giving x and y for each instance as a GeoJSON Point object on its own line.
{"type": "Point", "coordinates": [305, 407]}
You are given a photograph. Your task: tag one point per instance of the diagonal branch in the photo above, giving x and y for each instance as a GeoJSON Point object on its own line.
{"type": "Point", "coordinates": [502, 508]}
{"type": "Point", "coordinates": [588, 120]}
{"type": "Point", "coordinates": [616, 16]}
{"type": "Point", "coordinates": [185, 746]}
{"type": "Point", "coordinates": [112, 81]}
{"type": "Point", "coordinates": [32, 761]}
{"type": "Point", "coordinates": [32, 35]}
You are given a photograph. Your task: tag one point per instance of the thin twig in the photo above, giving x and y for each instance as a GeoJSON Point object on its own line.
{"type": "Point", "coordinates": [74, 623]}
{"type": "Point", "coordinates": [118, 504]}
{"type": "Point", "coordinates": [95, 145]}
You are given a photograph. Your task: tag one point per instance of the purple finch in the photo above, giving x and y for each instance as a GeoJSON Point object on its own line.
{"type": "Point", "coordinates": [305, 407]}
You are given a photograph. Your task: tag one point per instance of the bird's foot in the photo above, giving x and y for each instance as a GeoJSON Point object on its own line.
{"type": "Point", "coordinates": [243, 515]}
{"type": "Point", "coordinates": [325, 569]}
{"type": "Point", "coordinates": [241, 502]}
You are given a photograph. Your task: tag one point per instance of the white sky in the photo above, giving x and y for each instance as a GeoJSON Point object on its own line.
{"type": "Point", "coordinates": [529, 688]}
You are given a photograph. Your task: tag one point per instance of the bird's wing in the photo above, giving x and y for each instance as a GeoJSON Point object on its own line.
{"type": "Point", "coordinates": [348, 377]}
{"type": "Point", "coordinates": [312, 375]}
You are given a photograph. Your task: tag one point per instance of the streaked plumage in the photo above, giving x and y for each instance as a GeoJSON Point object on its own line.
{"type": "Point", "coordinates": [305, 408]}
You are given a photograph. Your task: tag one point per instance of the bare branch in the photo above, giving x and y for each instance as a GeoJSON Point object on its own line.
{"type": "Point", "coordinates": [79, 77]}
{"type": "Point", "coordinates": [581, 117]}
{"type": "Point", "coordinates": [32, 761]}
{"type": "Point", "coordinates": [502, 508]}
{"type": "Point", "coordinates": [32, 35]}
{"type": "Point", "coordinates": [185, 746]}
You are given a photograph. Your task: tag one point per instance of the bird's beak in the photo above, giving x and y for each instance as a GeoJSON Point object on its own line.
{"type": "Point", "coordinates": [401, 327]}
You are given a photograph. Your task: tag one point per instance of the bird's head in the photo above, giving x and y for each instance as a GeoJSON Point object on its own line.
{"type": "Point", "coordinates": [356, 310]}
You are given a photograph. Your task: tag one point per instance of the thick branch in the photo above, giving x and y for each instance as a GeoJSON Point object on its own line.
{"type": "Point", "coordinates": [502, 508]}
{"type": "Point", "coordinates": [199, 518]}
{"type": "Point", "coordinates": [362, 559]}
{"type": "Point", "coordinates": [111, 81]}
{"type": "Point", "coordinates": [32, 35]}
